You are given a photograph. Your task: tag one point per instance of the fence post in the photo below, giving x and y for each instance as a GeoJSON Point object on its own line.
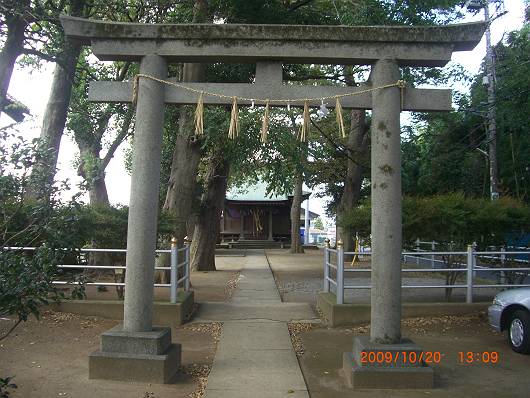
{"type": "Point", "coordinates": [418, 250]}
{"type": "Point", "coordinates": [433, 248]}
{"type": "Point", "coordinates": [475, 259]}
{"type": "Point", "coordinates": [326, 268]}
{"type": "Point", "coordinates": [187, 242]}
{"type": "Point", "coordinates": [340, 272]}
{"type": "Point", "coordinates": [174, 273]}
{"type": "Point", "coordinates": [469, 275]}
{"type": "Point", "coordinates": [503, 261]}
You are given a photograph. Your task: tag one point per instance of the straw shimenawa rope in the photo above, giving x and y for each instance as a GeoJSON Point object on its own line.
{"type": "Point", "coordinates": [233, 131]}
{"type": "Point", "coordinates": [400, 84]}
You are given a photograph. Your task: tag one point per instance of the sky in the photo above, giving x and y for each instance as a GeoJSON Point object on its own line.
{"type": "Point", "coordinates": [32, 89]}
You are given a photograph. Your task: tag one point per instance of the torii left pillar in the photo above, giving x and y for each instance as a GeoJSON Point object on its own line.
{"type": "Point", "coordinates": [136, 350]}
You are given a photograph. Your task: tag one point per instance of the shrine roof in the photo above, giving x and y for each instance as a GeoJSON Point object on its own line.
{"type": "Point", "coordinates": [256, 193]}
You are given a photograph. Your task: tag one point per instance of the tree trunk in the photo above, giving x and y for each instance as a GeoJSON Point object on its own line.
{"type": "Point", "coordinates": [98, 197]}
{"type": "Point", "coordinates": [54, 120]}
{"type": "Point", "coordinates": [16, 25]}
{"type": "Point", "coordinates": [208, 223]}
{"type": "Point", "coordinates": [186, 157]}
{"type": "Point", "coordinates": [97, 192]}
{"type": "Point", "coordinates": [183, 176]}
{"type": "Point", "coordinates": [296, 244]}
{"type": "Point", "coordinates": [357, 147]}
{"type": "Point", "coordinates": [187, 153]}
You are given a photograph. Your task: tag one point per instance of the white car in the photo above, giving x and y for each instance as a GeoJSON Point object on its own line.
{"type": "Point", "coordinates": [510, 312]}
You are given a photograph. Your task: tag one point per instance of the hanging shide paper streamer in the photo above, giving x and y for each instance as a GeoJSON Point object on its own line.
{"type": "Point", "coordinates": [265, 123]}
{"type": "Point", "coordinates": [304, 128]}
{"type": "Point", "coordinates": [340, 120]}
{"type": "Point", "coordinates": [199, 117]}
{"type": "Point", "coordinates": [233, 131]}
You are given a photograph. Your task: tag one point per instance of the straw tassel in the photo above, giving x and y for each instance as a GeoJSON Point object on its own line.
{"type": "Point", "coordinates": [265, 123]}
{"type": "Point", "coordinates": [304, 128]}
{"type": "Point", "coordinates": [233, 131]}
{"type": "Point", "coordinates": [136, 83]}
{"type": "Point", "coordinates": [340, 120]}
{"type": "Point", "coordinates": [401, 84]}
{"type": "Point", "coordinates": [199, 116]}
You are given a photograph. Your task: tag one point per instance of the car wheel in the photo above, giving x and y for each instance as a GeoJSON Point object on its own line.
{"type": "Point", "coordinates": [519, 331]}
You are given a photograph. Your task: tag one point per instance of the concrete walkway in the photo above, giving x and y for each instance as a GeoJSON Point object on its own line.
{"type": "Point", "coordinates": [255, 357]}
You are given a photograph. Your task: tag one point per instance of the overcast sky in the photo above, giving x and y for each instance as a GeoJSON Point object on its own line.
{"type": "Point", "coordinates": [32, 89]}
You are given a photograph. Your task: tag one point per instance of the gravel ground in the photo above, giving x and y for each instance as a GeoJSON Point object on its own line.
{"type": "Point", "coordinates": [200, 372]}
{"type": "Point", "coordinates": [299, 277]}
{"type": "Point", "coordinates": [49, 358]}
{"type": "Point", "coordinates": [322, 348]}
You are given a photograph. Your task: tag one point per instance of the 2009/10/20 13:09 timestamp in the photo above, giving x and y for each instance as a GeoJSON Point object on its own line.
{"type": "Point", "coordinates": [428, 357]}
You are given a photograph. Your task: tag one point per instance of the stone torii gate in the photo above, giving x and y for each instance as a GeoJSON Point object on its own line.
{"type": "Point", "coordinates": [141, 352]}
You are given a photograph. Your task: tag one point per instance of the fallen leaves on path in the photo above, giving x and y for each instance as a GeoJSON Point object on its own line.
{"type": "Point", "coordinates": [212, 328]}
{"type": "Point", "coordinates": [295, 331]}
{"type": "Point", "coordinates": [427, 324]}
{"type": "Point", "coordinates": [443, 323]}
{"type": "Point", "coordinates": [200, 372]}
{"type": "Point", "coordinates": [231, 285]}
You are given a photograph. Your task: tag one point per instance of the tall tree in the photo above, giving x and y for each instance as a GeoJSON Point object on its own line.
{"type": "Point", "coordinates": [296, 242]}
{"type": "Point", "coordinates": [92, 124]}
{"type": "Point", "coordinates": [182, 183]}
{"type": "Point", "coordinates": [356, 147]}
{"type": "Point", "coordinates": [207, 226]}
{"type": "Point", "coordinates": [16, 18]}
{"type": "Point", "coordinates": [57, 108]}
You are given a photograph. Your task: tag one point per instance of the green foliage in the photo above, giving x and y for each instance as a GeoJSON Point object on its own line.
{"type": "Point", "coordinates": [442, 152]}
{"type": "Point", "coordinates": [438, 157]}
{"type": "Point", "coordinates": [6, 386]}
{"type": "Point", "coordinates": [105, 226]}
{"type": "Point", "coordinates": [26, 281]}
{"type": "Point", "coordinates": [26, 222]}
{"type": "Point", "coordinates": [451, 218]}
{"type": "Point", "coordinates": [53, 227]}
{"type": "Point", "coordinates": [318, 224]}
{"type": "Point", "coordinates": [512, 102]}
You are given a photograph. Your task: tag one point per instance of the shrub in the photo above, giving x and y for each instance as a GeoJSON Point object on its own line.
{"type": "Point", "coordinates": [451, 218]}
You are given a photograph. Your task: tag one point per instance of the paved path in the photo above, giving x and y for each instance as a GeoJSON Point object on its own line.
{"type": "Point", "coordinates": [255, 357]}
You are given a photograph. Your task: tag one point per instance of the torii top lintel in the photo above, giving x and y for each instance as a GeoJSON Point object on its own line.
{"type": "Point", "coordinates": [363, 45]}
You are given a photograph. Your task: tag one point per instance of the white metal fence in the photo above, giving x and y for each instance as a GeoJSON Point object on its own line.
{"type": "Point", "coordinates": [469, 267]}
{"type": "Point", "coordinates": [175, 282]}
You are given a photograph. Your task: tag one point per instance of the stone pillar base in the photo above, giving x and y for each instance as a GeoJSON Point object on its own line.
{"type": "Point", "coordinates": [372, 370]}
{"type": "Point", "coordinates": [135, 356]}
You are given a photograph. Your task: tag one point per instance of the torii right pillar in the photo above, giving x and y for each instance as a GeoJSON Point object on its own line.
{"type": "Point", "coordinates": [368, 365]}
{"type": "Point", "coordinates": [386, 205]}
